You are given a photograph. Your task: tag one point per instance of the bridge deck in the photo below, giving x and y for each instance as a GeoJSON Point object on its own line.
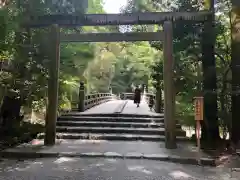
{"type": "Point", "coordinates": [143, 109]}
{"type": "Point", "coordinates": [121, 107]}
{"type": "Point", "coordinates": [105, 108]}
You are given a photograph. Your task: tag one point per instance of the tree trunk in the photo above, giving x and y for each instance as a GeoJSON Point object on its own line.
{"type": "Point", "coordinates": [159, 103]}
{"type": "Point", "coordinates": [210, 129]}
{"type": "Point", "coordinates": [160, 100]}
{"type": "Point", "coordinates": [10, 112]}
{"type": "Point", "coordinates": [235, 27]}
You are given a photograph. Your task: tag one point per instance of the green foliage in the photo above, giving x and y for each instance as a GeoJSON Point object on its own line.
{"type": "Point", "coordinates": [117, 65]}
{"type": "Point", "coordinates": [27, 52]}
{"type": "Point", "coordinates": [157, 74]}
{"type": "Point", "coordinates": [187, 54]}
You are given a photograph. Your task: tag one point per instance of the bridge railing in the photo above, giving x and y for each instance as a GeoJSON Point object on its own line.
{"type": "Point", "coordinates": [125, 96]}
{"type": "Point", "coordinates": [92, 100]}
{"type": "Point", "coordinates": [146, 96]}
{"type": "Point", "coordinates": [131, 96]}
{"type": "Point", "coordinates": [158, 109]}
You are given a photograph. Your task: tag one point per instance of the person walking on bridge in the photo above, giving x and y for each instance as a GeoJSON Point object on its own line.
{"type": "Point", "coordinates": [137, 96]}
{"type": "Point", "coordinates": [151, 102]}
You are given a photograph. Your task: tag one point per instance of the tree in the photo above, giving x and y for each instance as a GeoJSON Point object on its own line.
{"type": "Point", "coordinates": [192, 46]}
{"type": "Point", "coordinates": [210, 128]}
{"type": "Point", "coordinates": [235, 36]}
{"type": "Point", "coordinates": [27, 51]}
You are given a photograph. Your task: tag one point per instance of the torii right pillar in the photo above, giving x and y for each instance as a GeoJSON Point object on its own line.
{"type": "Point", "coordinates": [169, 92]}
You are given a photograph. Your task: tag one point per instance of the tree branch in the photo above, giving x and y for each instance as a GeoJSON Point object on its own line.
{"type": "Point", "coordinates": [221, 58]}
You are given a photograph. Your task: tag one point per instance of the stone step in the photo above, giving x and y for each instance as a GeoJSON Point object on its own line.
{"type": "Point", "coordinates": [113, 137]}
{"type": "Point", "coordinates": [109, 130]}
{"type": "Point", "coordinates": [111, 119]}
{"type": "Point", "coordinates": [113, 115]}
{"type": "Point", "coordinates": [112, 124]}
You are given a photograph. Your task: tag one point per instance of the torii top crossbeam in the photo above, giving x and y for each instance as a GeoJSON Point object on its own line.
{"type": "Point", "coordinates": [140, 18]}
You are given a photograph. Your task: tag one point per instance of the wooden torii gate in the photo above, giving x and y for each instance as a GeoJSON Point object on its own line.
{"type": "Point", "coordinates": [165, 18]}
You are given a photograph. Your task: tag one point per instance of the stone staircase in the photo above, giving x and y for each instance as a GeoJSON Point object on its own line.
{"type": "Point", "coordinates": [113, 127]}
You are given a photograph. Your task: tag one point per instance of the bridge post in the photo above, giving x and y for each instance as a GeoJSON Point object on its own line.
{"type": "Point", "coordinates": [110, 90]}
{"type": "Point", "coordinates": [51, 117]}
{"type": "Point", "coordinates": [158, 100]}
{"type": "Point", "coordinates": [81, 97]}
{"type": "Point", "coordinates": [169, 94]}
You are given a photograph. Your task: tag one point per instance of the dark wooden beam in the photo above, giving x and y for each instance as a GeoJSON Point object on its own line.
{"type": "Point", "coordinates": [168, 84]}
{"type": "Point", "coordinates": [140, 18]}
{"type": "Point", "coordinates": [112, 37]}
{"type": "Point", "coordinates": [53, 86]}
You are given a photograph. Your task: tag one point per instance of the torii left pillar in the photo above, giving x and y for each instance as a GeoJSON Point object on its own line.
{"type": "Point", "coordinates": [51, 118]}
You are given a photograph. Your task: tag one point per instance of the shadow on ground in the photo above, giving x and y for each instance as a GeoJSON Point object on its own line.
{"type": "Point", "coordinates": [23, 133]}
{"type": "Point", "coordinates": [106, 169]}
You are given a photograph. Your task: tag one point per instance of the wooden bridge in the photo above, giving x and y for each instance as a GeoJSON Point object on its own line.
{"type": "Point", "coordinates": [106, 116]}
